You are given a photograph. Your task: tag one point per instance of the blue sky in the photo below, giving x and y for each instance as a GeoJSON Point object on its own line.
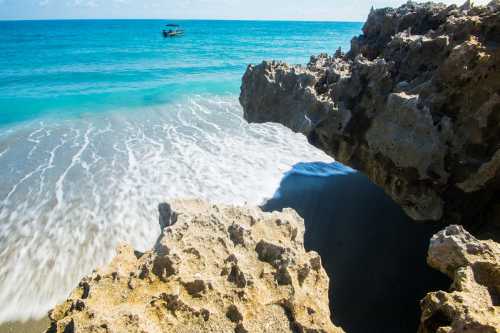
{"type": "Point", "coordinates": [339, 10]}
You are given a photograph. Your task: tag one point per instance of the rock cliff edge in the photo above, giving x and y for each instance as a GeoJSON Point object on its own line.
{"type": "Point", "coordinates": [214, 269]}
{"type": "Point", "coordinates": [415, 105]}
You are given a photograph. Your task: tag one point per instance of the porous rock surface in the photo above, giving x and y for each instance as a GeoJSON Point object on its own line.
{"type": "Point", "coordinates": [415, 105]}
{"type": "Point", "coordinates": [214, 269]}
{"type": "Point", "coordinates": [473, 303]}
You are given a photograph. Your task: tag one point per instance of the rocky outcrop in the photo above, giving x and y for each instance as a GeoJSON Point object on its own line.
{"type": "Point", "coordinates": [473, 304]}
{"type": "Point", "coordinates": [214, 269]}
{"type": "Point", "coordinates": [415, 105]}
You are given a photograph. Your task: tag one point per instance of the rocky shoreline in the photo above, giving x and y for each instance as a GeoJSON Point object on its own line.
{"type": "Point", "coordinates": [415, 106]}
{"type": "Point", "coordinates": [214, 269]}
{"type": "Point", "coordinates": [473, 303]}
{"type": "Point", "coordinates": [373, 253]}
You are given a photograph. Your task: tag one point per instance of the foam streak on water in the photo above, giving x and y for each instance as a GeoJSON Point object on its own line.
{"type": "Point", "coordinates": [73, 189]}
{"type": "Point", "coordinates": [100, 121]}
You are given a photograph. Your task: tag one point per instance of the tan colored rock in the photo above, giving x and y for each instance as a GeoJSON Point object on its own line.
{"type": "Point", "coordinates": [414, 105]}
{"type": "Point", "coordinates": [214, 269]}
{"type": "Point", "coordinates": [473, 303]}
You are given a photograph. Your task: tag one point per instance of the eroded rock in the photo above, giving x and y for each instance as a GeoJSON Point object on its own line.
{"type": "Point", "coordinates": [217, 269]}
{"type": "Point", "coordinates": [415, 105]}
{"type": "Point", "coordinates": [473, 303]}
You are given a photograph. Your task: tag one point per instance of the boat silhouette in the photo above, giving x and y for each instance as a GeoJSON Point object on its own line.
{"type": "Point", "coordinates": [173, 31]}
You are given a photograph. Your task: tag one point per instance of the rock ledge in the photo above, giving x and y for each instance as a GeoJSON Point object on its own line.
{"type": "Point", "coordinates": [214, 269]}
{"type": "Point", "coordinates": [415, 105]}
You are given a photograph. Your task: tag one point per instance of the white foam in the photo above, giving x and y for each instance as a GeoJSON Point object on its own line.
{"type": "Point", "coordinates": [72, 190]}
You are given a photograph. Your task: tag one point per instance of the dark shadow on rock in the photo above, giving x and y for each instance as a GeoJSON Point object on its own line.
{"type": "Point", "coordinates": [374, 254]}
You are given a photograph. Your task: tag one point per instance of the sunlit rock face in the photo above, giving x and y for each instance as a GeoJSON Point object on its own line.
{"type": "Point", "coordinates": [215, 268]}
{"type": "Point", "coordinates": [473, 303]}
{"type": "Point", "coordinates": [415, 105]}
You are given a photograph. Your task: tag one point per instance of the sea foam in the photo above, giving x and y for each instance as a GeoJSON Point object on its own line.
{"type": "Point", "coordinates": [72, 190]}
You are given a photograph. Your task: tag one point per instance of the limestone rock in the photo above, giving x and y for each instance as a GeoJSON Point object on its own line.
{"type": "Point", "coordinates": [415, 105]}
{"type": "Point", "coordinates": [473, 303]}
{"type": "Point", "coordinates": [214, 269]}
{"type": "Point", "coordinates": [273, 82]}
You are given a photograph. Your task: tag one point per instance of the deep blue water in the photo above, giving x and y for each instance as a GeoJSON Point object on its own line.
{"type": "Point", "coordinates": [100, 121]}
{"type": "Point", "coordinates": [70, 67]}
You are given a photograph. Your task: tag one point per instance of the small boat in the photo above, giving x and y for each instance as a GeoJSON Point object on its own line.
{"type": "Point", "coordinates": [173, 31]}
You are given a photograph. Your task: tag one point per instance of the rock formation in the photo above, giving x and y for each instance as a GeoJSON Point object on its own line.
{"type": "Point", "coordinates": [473, 304]}
{"type": "Point", "coordinates": [415, 105]}
{"type": "Point", "coordinates": [214, 269]}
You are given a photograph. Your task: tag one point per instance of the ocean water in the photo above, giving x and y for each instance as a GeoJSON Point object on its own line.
{"type": "Point", "coordinates": [100, 121]}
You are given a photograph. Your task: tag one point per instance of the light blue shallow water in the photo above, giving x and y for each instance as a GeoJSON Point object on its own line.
{"type": "Point", "coordinates": [66, 68]}
{"type": "Point", "coordinates": [102, 120]}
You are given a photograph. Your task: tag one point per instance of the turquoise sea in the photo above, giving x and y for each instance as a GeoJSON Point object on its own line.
{"type": "Point", "coordinates": [70, 68]}
{"type": "Point", "coordinates": [102, 120]}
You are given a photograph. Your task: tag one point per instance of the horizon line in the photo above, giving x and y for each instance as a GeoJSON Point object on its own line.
{"type": "Point", "coordinates": [177, 19]}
